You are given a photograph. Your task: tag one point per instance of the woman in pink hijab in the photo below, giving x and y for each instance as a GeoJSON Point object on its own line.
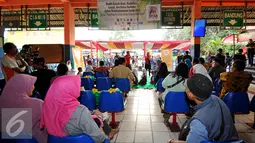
{"type": "Point", "coordinates": [62, 113]}
{"type": "Point", "coordinates": [16, 95]}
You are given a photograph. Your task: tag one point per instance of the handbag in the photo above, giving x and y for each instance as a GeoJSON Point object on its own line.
{"type": "Point", "coordinates": [185, 129]}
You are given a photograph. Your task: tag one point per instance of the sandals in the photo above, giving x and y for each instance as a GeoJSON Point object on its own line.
{"type": "Point", "coordinates": [113, 132]}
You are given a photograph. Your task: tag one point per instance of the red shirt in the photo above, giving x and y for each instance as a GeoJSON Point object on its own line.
{"type": "Point", "coordinates": [127, 57]}
{"type": "Point", "coordinates": [147, 60]}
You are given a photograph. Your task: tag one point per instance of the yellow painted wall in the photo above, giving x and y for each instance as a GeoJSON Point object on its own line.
{"type": "Point", "coordinates": [20, 38]}
{"type": "Point", "coordinates": [166, 55]}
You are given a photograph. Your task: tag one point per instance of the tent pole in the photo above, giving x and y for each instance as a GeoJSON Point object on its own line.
{"type": "Point", "coordinates": [144, 48]}
{"type": "Point", "coordinates": [234, 43]}
{"type": "Point", "coordinates": [97, 53]}
{"type": "Point", "coordinates": [91, 51]}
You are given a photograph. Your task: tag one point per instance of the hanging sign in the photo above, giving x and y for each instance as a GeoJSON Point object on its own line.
{"type": "Point", "coordinates": [94, 19]}
{"type": "Point", "coordinates": [38, 20]}
{"type": "Point", "coordinates": [129, 14]}
{"type": "Point", "coordinates": [170, 18]}
{"type": "Point", "coordinates": [233, 18]}
{"type": "Point", "coordinates": [11, 21]}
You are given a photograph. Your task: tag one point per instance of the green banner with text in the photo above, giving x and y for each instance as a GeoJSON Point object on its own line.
{"type": "Point", "coordinates": [94, 19]}
{"type": "Point", "coordinates": [233, 18]}
{"type": "Point", "coordinates": [38, 20]}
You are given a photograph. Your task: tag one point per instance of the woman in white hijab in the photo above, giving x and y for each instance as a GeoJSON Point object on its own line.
{"type": "Point", "coordinates": [200, 69]}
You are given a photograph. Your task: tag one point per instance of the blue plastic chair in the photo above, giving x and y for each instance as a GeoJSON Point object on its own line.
{"type": "Point", "coordinates": [240, 141]}
{"type": "Point", "coordinates": [237, 102]}
{"type": "Point", "coordinates": [87, 83]}
{"type": "Point", "coordinates": [88, 99]}
{"type": "Point", "coordinates": [87, 74]}
{"type": "Point", "coordinates": [112, 103]}
{"type": "Point", "coordinates": [159, 85]}
{"type": "Point", "coordinates": [103, 83]}
{"type": "Point", "coordinates": [28, 140]}
{"type": "Point", "coordinates": [252, 104]}
{"type": "Point", "coordinates": [101, 74]}
{"type": "Point", "coordinates": [217, 87]}
{"type": "Point", "coordinates": [73, 139]}
{"type": "Point", "coordinates": [123, 84]}
{"type": "Point", "coordinates": [175, 102]}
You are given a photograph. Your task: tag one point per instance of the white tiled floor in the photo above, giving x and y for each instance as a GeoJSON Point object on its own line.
{"type": "Point", "coordinates": [142, 121]}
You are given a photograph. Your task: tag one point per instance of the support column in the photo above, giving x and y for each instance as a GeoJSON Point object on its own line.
{"type": "Point", "coordinates": [195, 14]}
{"type": "Point", "coordinates": [69, 29]}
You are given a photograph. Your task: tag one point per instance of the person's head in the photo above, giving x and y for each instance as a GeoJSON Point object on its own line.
{"type": "Point", "coordinates": [238, 65]}
{"type": "Point", "coordinates": [80, 69]}
{"type": "Point", "coordinates": [128, 53]}
{"type": "Point", "coordinates": [101, 63]}
{"type": "Point", "coordinates": [209, 53]}
{"type": "Point", "coordinates": [216, 61]}
{"type": "Point", "coordinates": [182, 70]}
{"type": "Point", "coordinates": [250, 41]}
{"type": "Point", "coordinates": [25, 47]}
{"type": "Point", "coordinates": [158, 62]}
{"type": "Point", "coordinates": [116, 54]}
{"type": "Point", "coordinates": [220, 51]}
{"type": "Point", "coordinates": [68, 62]}
{"type": "Point", "coordinates": [178, 52]}
{"type": "Point", "coordinates": [148, 54]}
{"type": "Point", "coordinates": [201, 60]}
{"type": "Point", "coordinates": [19, 86]}
{"type": "Point", "coordinates": [186, 52]}
{"type": "Point", "coordinates": [62, 69]}
{"type": "Point", "coordinates": [199, 88]}
{"type": "Point", "coordinates": [89, 62]}
{"type": "Point", "coordinates": [195, 61]}
{"type": "Point", "coordinates": [88, 56]}
{"type": "Point", "coordinates": [10, 49]}
{"type": "Point", "coordinates": [39, 63]}
{"type": "Point", "coordinates": [227, 54]}
{"type": "Point", "coordinates": [240, 51]}
{"type": "Point", "coordinates": [122, 61]}
{"type": "Point", "coordinates": [116, 62]}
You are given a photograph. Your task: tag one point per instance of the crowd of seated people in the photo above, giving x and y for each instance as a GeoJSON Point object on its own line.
{"type": "Point", "coordinates": [198, 83]}
{"type": "Point", "coordinates": [61, 114]}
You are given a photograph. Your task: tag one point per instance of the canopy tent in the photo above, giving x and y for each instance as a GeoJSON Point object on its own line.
{"type": "Point", "coordinates": [243, 36]}
{"type": "Point", "coordinates": [132, 45]}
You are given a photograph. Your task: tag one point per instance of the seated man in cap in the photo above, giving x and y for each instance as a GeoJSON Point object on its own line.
{"type": "Point", "coordinates": [212, 120]}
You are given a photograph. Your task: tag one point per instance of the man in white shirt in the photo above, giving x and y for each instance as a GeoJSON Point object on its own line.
{"type": "Point", "coordinates": [9, 62]}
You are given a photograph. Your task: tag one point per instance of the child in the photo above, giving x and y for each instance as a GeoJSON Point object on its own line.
{"type": "Point", "coordinates": [89, 67]}
{"type": "Point", "coordinates": [143, 81]}
{"type": "Point", "coordinates": [80, 72]}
